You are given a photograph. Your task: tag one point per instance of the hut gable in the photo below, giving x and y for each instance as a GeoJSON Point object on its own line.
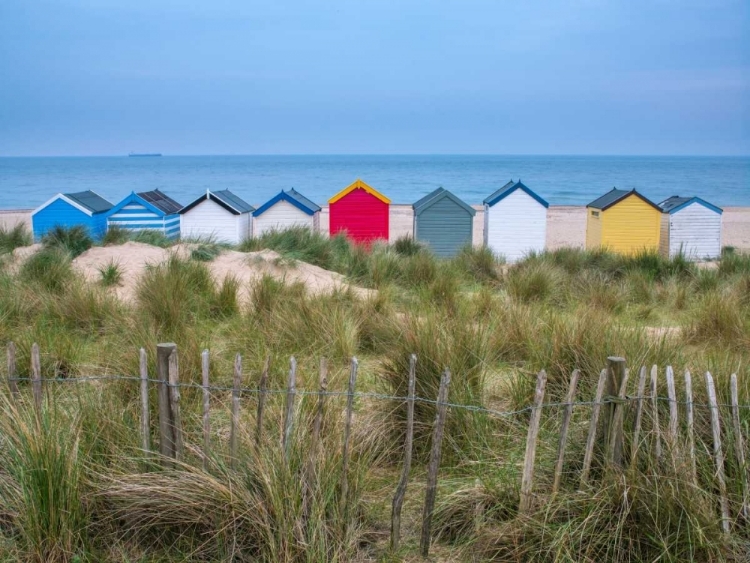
{"type": "Point", "coordinates": [443, 222]}
{"type": "Point", "coordinates": [286, 210]}
{"type": "Point", "coordinates": [221, 215]}
{"type": "Point", "coordinates": [361, 212]}
{"type": "Point", "coordinates": [87, 209]}
{"type": "Point", "coordinates": [143, 211]}
{"type": "Point", "coordinates": [623, 221]}
{"type": "Point", "coordinates": [515, 220]}
{"type": "Point", "coordinates": [690, 226]}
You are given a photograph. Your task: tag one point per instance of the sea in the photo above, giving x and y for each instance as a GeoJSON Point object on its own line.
{"type": "Point", "coordinates": [26, 182]}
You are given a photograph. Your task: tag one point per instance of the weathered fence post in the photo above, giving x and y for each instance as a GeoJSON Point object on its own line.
{"type": "Point", "coordinates": [347, 436]}
{"type": "Point", "coordinates": [12, 372]}
{"type": "Point", "coordinates": [291, 391]}
{"type": "Point", "coordinates": [166, 438]}
{"type": "Point", "coordinates": [718, 452]}
{"type": "Point", "coordinates": [36, 377]}
{"type": "Point", "coordinates": [234, 430]}
{"type": "Point", "coordinates": [398, 498]}
{"type": "Point", "coordinates": [527, 477]}
{"type": "Point", "coordinates": [174, 405]}
{"type": "Point", "coordinates": [638, 418]}
{"type": "Point", "coordinates": [690, 430]}
{"type": "Point", "coordinates": [567, 414]}
{"type": "Point", "coordinates": [672, 434]}
{"type": "Point", "coordinates": [591, 440]}
{"type": "Point", "coordinates": [613, 411]}
{"type": "Point", "coordinates": [655, 412]}
{"type": "Point", "coordinates": [432, 469]}
{"type": "Point", "coordinates": [205, 365]}
{"type": "Point", "coordinates": [739, 446]}
{"type": "Point", "coordinates": [145, 415]}
{"type": "Point", "coordinates": [261, 402]}
{"type": "Point", "coordinates": [310, 478]}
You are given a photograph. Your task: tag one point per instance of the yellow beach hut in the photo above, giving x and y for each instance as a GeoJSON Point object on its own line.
{"type": "Point", "coordinates": [623, 221]}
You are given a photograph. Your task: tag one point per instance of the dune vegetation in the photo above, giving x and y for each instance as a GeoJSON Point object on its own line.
{"type": "Point", "coordinates": [75, 484]}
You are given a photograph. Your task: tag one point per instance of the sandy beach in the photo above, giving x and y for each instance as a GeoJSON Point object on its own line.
{"type": "Point", "coordinates": [566, 224]}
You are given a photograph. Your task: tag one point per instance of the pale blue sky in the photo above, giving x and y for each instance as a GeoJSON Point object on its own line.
{"type": "Point", "coordinates": [374, 76]}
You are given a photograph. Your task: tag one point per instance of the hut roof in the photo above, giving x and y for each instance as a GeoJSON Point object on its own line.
{"type": "Point", "coordinates": [675, 203]}
{"type": "Point", "coordinates": [226, 199]}
{"type": "Point", "coordinates": [161, 201]}
{"type": "Point", "coordinates": [293, 197]}
{"type": "Point", "coordinates": [359, 184]}
{"type": "Point", "coordinates": [615, 196]}
{"type": "Point", "coordinates": [437, 195]}
{"type": "Point", "coordinates": [508, 189]}
{"type": "Point", "coordinates": [90, 200]}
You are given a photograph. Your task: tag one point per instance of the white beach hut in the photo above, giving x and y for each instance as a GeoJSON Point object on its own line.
{"type": "Point", "coordinates": [691, 226]}
{"type": "Point", "coordinates": [221, 216]}
{"type": "Point", "coordinates": [285, 210]}
{"type": "Point", "coordinates": [515, 221]}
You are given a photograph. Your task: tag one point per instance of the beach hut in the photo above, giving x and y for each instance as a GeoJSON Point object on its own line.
{"type": "Point", "coordinates": [147, 211]}
{"type": "Point", "coordinates": [443, 222]}
{"type": "Point", "coordinates": [361, 212]}
{"type": "Point", "coordinates": [690, 226]}
{"type": "Point", "coordinates": [221, 216]}
{"type": "Point", "coordinates": [623, 221]}
{"type": "Point", "coordinates": [285, 210]}
{"type": "Point", "coordinates": [88, 209]}
{"type": "Point", "coordinates": [515, 221]}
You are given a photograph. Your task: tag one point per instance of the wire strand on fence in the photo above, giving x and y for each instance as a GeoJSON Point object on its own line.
{"type": "Point", "coordinates": [379, 396]}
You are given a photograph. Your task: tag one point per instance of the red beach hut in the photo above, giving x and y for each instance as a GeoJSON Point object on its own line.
{"type": "Point", "coordinates": [361, 212]}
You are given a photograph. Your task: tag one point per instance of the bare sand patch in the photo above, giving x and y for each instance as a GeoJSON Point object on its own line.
{"type": "Point", "coordinates": [247, 267]}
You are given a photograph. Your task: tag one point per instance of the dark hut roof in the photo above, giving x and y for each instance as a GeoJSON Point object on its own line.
{"type": "Point", "coordinates": [90, 200]}
{"type": "Point", "coordinates": [615, 196]}
{"type": "Point", "coordinates": [161, 201]}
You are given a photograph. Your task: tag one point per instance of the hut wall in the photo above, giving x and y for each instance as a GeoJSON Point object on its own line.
{"type": "Point", "coordinates": [516, 225]}
{"type": "Point", "coordinates": [282, 215]}
{"type": "Point", "coordinates": [696, 231]}
{"type": "Point", "coordinates": [631, 226]}
{"type": "Point", "coordinates": [209, 219]}
{"type": "Point", "coordinates": [445, 227]}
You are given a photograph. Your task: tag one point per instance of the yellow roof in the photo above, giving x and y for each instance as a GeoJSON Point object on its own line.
{"type": "Point", "coordinates": [359, 184]}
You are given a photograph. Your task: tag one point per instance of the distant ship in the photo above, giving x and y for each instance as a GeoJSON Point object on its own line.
{"type": "Point", "coordinates": [144, 154]}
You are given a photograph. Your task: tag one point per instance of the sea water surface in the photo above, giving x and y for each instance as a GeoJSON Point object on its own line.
{"type": "Point", "coordinates": [562, 180]}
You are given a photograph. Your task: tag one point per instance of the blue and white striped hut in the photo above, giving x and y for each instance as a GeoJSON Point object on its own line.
{"type": "Point", "coordinates": [87, 209]}
{"type": "Point", "coordinates": [147, 211]}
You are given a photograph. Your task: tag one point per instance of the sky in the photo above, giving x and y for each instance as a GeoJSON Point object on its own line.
{"type": "Point", "coordinates": [105, 77]}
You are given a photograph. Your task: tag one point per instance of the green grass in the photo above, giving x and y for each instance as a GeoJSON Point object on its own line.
{"type": "Point", "coordinates": [75, 486]}
{"type": "Point", "coordinates": [73, 240]}
{"type": "Point", "coordinates": [10, 239]}
{"type": "Point", "coordinates": [111, 274]}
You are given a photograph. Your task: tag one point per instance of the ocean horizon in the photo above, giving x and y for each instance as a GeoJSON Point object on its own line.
{"type": "Point", "coordinates": [26, 182]}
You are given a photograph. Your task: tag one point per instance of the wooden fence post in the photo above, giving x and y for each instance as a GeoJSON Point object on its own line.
{"type": "Point", "coordinates": [398, 498]}
{"type": "Point", "coordinates": [672, 433]}
{"type": "Point", "coordinates": [145, 415]}
{"type": "Point", "coordinates": [205, 365]}
{"type": "Point", "coordinates": [527, 477]}
{"type": "Point", "coordinates": [690, 430]}
{"type": "Point", "coordinates": [310, 477]}
{"type": "Point", "coordinates": [591, 440]}
{"type": "Point", "coordinates": [261, 402]}
{"type": "Point", "coordinates": [567, 414]}
{"type": "Point", "coordinates": [291, 391]}
{"type": "Point", "coordinates": [174, 406]}
{"type": "Point", "coordinates": [347, 436]}
{"type": "Point", "coordinates": [613, 411]}
{"type": "Point", "coordinates": [739, 446]}
{"type": "Point", "coordinates": [166, 438]}
{"type": "Point", "coordinates": [36, 377]}
{"type": "Point", "coordinates": [718, 452]}
{"type": "Point", "coordinates": [638, 418]}
{"type": "Point", "coordinates": [617, 436]}
{"type": "Point", "coordinates": [234, 431]}
{"type": "Point", "coordinates": [12, 372]}
{"type": "Point", "coordinates": [655, 412]}
{"type": "Point", "coordinates": [432, 469]}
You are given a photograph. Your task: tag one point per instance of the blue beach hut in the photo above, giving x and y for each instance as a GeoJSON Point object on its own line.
{"type": "Point", "coordinates": [444, 222]}
{"type": "Point", "coordinates": [147, 211]}
{"type": "Point", "coordinates": [87, 209]}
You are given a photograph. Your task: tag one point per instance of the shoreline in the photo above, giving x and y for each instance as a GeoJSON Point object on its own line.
{"type": "Point", "coordinates": [566, 224]}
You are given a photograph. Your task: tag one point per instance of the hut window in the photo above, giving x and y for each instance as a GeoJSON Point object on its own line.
{"type": "Point", "coordinates": [595, 214]}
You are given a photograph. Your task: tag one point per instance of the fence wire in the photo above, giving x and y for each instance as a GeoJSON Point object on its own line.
{"type": "Point", "coordinates": [374, 395]}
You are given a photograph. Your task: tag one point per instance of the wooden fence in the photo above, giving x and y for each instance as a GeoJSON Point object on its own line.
{"type": "Point", "coordinates": [674, 444]}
